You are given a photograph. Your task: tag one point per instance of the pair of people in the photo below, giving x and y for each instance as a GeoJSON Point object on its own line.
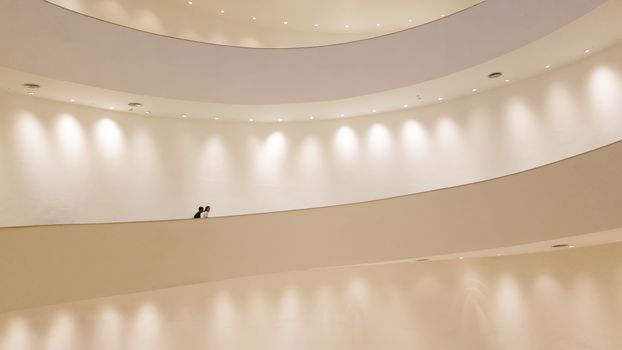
{"type": "Point", "coordinates": [202, 213]}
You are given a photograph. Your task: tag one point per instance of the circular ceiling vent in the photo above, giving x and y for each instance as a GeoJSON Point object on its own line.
{"type": "Point", "coordinates": [31, 85]}
{"type": "Point", "coordinates": [495, 75]}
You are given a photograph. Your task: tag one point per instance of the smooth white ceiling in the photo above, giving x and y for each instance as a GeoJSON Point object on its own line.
{"type": "Point", "coordinates": [268, 23]}
{"type": "Point", "coordinates": [132, 61]}
{"type": "Point", "coordinates": [595, 31]}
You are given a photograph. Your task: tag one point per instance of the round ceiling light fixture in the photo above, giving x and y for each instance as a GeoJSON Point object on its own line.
{"type": "Point", "coordinates": [134, 105]}
{"type": "Point", "coordinates": [495, 75]}
{"type": "Point", "coordinates": [31, 86]}
{"type": "Point", "coordinates": [560, 246]}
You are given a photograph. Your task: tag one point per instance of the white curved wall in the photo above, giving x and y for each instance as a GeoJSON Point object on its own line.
{"type": "Point", "coordinates": [63, 163]}
{"type": "Point", "coordinates": [570, 300]}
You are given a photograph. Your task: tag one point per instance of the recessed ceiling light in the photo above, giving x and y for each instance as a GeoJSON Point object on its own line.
{"type": "Point", "coordinates": [498, 254]}
{"type": "Point", "coordinates": [147, 112]}
{"type": "Point", "coordinates": [316, 25]}
{"type": "Point", "coordinates": [251, 120]}
{"type": "Point", "coordinates": [461, 258]}
{"type": "Point", "coordinates": [72, 100]}
{"type": "Point", "coordinates": [410, 20]}
{"type": "Point", "coordinates": [547, 66]}
{"type": "Point", "coordinates": [284, 22]}
{"type": "Point", "coordinates": [31, 85]}
{"type": "Point", "coordinates": [311, 117]}
{"type": "Point", "coordinates": [443, 15]}
{"type": "Point", "coordinates": [474, 90]}
{"type": "Point", "coordinates": [440, 98]}
{"type": "Point", "coordinates": [342, 115]}
{"type": "Point", "coordinates": [571, 246]}
{"type": "Point", "coordinates": [111, 107]}
{"type": "Point", "coordinates": [587, 51]}
{"type": "Point", "coordinates": [507, 80]}
{"type": "Point", "coordinates": [222, 11]}
{"type": "Point", "coordinates": [280, 120]}
{"type": "Point", "coordinates": [373, 111]}
{"type": "Point", "coordinates": [189, 2]}
{"type": "Point", "coordinates": [347, 26]}
{"type": "Point", "coordinates": [377, 24]}
{"type": "Point", "coordinates": [405, 106]}
{"type": "Point", "coordinates": [31, 93]}
{"type": "Point", "coordinates": [254, 18]}
{"type": "Point", "coordinates": [216, 118]}
{"type": "Point", "coordinates": [494, 75]}
{"type": "Point", "coordinates": [184, 116]}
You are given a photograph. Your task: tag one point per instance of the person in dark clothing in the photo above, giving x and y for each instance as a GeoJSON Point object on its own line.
{"type": "Point", "coordinates": [198, 214]}
{"type": "Point", "coordinates": [206, 212]}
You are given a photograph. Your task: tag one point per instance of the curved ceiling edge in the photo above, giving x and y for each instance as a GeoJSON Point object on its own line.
{"type": "Point", "coordinates": [203, 23]}
{"type": "Point", "coordinates": [91, 52]}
